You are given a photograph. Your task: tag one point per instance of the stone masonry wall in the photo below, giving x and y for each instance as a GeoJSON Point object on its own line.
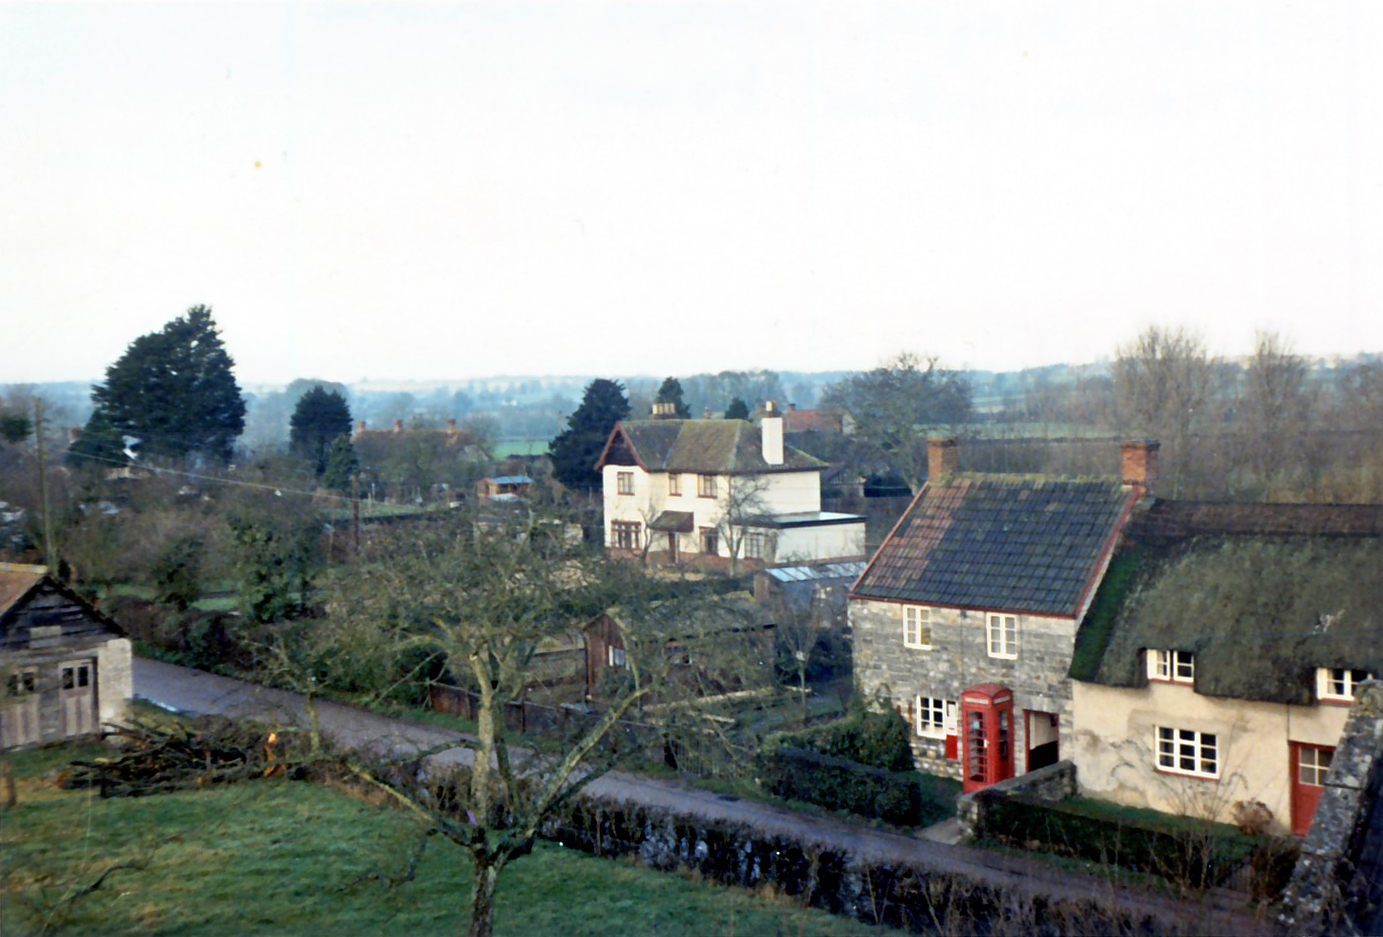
{"type": "Point", "coordinates": [1050, 784]}
{"type": "Point", "coordinates": [957, 660]}
{"type": "Point", "coordinates": [1337, 885]}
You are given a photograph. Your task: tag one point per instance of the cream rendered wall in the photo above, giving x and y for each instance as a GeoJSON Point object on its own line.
{"type": "Point", "coordinates": [824, 542]}
{"type": "Point", "coordinates": [114, 680]}
{"type": "Point", "coordinates": [1114, 747]}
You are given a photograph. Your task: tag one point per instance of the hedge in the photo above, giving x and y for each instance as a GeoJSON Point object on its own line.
{"type": "Point", "coordinates": [838, 784]}
{"type": "Point", "coordinates": [1188, 855]}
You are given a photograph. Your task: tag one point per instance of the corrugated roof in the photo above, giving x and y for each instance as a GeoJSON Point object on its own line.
{"type": "Point", "coordinates": [711, 447]}
{"type": "Point", "coordinates": [999, 542]}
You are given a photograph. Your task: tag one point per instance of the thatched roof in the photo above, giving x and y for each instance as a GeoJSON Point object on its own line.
{"type": "Point", "coordinates": [709, 447]}
{"type": "Point", "coordinates": [1260, 613]}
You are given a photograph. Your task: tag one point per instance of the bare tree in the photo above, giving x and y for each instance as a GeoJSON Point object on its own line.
{"type": "Point", "coordinates": [1164, 382]}
{"type": "Point", "coordinates": [477, 600]}
{"type": "Point", "coordinates": [742, 503]}
{"type": "Point", "coordinates": [896, 406]}
{"type": "Point", "coordinates": [1275, 406]}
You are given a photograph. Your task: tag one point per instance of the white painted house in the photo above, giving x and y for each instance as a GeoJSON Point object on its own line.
{"type": "Point", "coordinates": [718, 491]}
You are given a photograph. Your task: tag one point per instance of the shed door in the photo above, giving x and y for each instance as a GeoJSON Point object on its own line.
{"type": "Point", "coordinates": [77, 692]}
{"type": "Point", "coordinates": [19, 717]}
{"type": "Point", "coordinates": [1309, 766]}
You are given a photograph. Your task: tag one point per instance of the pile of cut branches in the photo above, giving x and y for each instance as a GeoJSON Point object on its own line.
{"type": "Point", "coordinates": [154, 759]}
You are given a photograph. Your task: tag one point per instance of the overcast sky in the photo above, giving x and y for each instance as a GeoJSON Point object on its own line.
{"type": "Point", "coordinates": [393, 190]}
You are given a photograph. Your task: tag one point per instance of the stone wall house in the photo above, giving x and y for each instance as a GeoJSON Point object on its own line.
{"type": "Point", "coordinates": [708, 491]}
{"type": "Point", "coordinates": [1222, 654]}
{"type": "Point", "coordinates": [64, 667]}
{"type": "Point", "coordinates": [965, 619]}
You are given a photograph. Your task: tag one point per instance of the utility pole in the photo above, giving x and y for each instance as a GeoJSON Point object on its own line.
{"type": "Point", "coordinates": [355, 507]}
{"type": "Point", "coordinates": [50, 556]}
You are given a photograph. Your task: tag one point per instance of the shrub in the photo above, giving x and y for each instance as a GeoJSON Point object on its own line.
{"type": "Point", "coordinates": [877, 739]}
{"type": "Point", "coordinates": [838, 784]}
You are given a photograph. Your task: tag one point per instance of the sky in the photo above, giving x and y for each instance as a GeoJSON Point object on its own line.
{"type": "Point", "coordinates": [443, 191]}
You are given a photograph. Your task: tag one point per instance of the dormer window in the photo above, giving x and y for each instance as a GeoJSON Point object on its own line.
{"type": "Point", "coordinates": [1171, 666]}
{"type": "Point", "coordinates": [1339, 684]}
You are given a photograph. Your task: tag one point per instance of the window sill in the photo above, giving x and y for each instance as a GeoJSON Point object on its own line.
{"type": "Point", "coordinates": [1195, 776]}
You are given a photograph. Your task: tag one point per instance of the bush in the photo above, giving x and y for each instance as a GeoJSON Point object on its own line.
{"type": "Point", "coordinates": [838, 784]}
{"type": "Point", "coordinates": [877, 739]}
{"type": "Point", "coordinates": [1195, 854]}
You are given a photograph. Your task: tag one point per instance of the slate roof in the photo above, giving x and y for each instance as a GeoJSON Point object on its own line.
{"type": "Point", "coordinates": [709, 447]}
{"type": "Point", "coordinates": [1261, 595]}
{"type": "Point", "coordinates": [999, 542]}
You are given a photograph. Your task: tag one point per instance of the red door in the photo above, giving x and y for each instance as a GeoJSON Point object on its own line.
{"type": "Point", "coordinates": [987, 735]}
{"type": "Point", "coordinates": [1309, 766]}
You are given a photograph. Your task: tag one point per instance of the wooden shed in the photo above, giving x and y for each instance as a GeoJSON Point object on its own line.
{"type": "Point", "coordinates": [65, 668]}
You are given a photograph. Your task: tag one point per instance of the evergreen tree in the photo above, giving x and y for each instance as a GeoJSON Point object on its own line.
{"type": "Point", "coordinates": [174, 391]}
{"type": "Point", "coordinates": [15, 427]}
{"type": "Point", "coordinates": [99, 446]}
{"type": "Point", "coordinates": [575, 450]}
{"type": "Point", "coordinates": [342, 463]}
{"type": "Point", "coordinates": [320, 418]}
{"type": "Point", "coordinates": [738, 410]}
{"type": "Point", "coordinates": [671, 392]}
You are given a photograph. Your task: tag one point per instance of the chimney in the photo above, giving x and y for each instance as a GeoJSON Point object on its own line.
{"type": "Point", "coordinates": [943, 457]}
{"type": "Point", "coordinates": [664, 410]}
{"type": "Point", "coordinates": [771, 432]}
{"type": "Point", "coordinates": [74, 433]}
{"type": "Point", "coordinates": [359, 427]}
{"type": "Point", "coordinates": [792, 407]}
{"type": "Point", "coordinates": [451, 426]}
{"type": "Point", "coordinates": [1140, 464]}
{"type": "Point", "coordinates": [706, 414]}
{"type": "Point", "coordinates": [398, 426]}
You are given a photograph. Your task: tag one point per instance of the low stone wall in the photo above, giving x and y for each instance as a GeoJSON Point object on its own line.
{"type": "Point", "coordinates": [1050, 784]}
{"type": "Point", "coordinates": [1337, 885]}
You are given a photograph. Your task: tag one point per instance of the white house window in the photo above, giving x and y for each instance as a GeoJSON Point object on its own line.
{"type": "Point", "coordinates": [710, 540]}
{"type": "Point", "coordinates": [1185, 751]}
{"type": "Point", "coordinates": [756, 545]}
{"type": "Point", "coordinates": [917, 626]}
{"type": "Point", "coordinates": [1172, 666]}
{"type": "Point", "coordinates": [624, 483]}
{"type": "Point", "coordinates": [674, 485]}
{"type": "Point", "coordinates": [935, 716]}
{"type": "Point", "coordinates": [616, 657]}
{"type": "Point", "coordinates": [624, 535]}
{"type": "Point", "coordinates": [1003, 636]}
{"type": "Point", "coordinates": [1339, 683]}
{"type": "Point", "coordinates": [705, 486]}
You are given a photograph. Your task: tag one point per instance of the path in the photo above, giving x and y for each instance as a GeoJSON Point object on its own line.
{"type": "Point", "coordinates": [196, 692]}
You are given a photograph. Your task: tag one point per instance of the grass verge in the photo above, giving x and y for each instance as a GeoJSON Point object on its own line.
{"type": "Point", "coordinates": [279, 857]}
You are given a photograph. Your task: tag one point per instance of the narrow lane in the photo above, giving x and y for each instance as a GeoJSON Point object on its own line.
{"type": "Point", "coordinates": [196, 692]}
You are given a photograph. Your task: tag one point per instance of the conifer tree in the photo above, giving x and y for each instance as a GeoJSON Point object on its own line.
{"type": "Point", "coordinates": [575, 450]}
{"type": "Point", "coordinates": [320, 418]}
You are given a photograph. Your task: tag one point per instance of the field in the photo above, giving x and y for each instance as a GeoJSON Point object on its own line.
{"type": "Point", "coordinates": [278, 857]}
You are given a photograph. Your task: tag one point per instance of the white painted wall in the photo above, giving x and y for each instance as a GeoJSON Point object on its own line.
{"type": "Point", "coordinates": [826, 542]}
{"type": "Point", "coordinates": [1114, 747]}
{"type": "Point", "coordinates": [114, 680]}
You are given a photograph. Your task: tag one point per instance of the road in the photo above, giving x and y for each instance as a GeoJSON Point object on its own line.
{"type": "Point", "coordinates": [196, 692]}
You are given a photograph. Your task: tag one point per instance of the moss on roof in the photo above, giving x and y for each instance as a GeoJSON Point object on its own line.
{"type": "Point", "coordinates": [1260, 614]}
{"type": "Point", "coordinates": [717, 447]}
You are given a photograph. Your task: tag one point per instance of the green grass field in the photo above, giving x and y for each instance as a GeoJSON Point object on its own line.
{"type": "Point", "coordinates": [277, 857]}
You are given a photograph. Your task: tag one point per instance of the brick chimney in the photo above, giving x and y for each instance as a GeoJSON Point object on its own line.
{"type": "Point", "coordinates": [664, 410]}
{"type": "Point", "coordinates": [1140, 464]}
{"type": "Point", "coordinates": [398, 426]}
{"type": "Point", "coordinates": [943, 457]}
{"type": "Point", "coordinates": [359, 427]}
{"type": "Point", "coordinates": [771, 432]}
{"type": "Point", "coordinates": [451, 426]}
{"type": "Point", "coordinates": [74, 433]}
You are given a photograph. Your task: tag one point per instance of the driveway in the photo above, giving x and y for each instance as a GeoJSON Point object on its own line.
{"type": "Point", "coordinates": [196, 692]}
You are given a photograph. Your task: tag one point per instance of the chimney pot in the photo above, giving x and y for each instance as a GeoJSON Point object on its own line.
{"type": "Point", "coordinates": [360, 426]}
{"type": "Point", "coordinates": [943, 457]}
{"type": "Point", "coordinates": [1140, 464]}
{"type": "Point", "coordinates": [451, 426]}
{"type": "Point", "coordinates": [398, 426]}
{"type": "Point", "coordinates": [664, 410]}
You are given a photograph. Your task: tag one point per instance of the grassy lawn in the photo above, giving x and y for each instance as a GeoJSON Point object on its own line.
{"type": "Point", "coordinates": [276, 857]}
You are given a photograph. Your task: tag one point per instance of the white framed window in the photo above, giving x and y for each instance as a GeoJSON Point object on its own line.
{"type": "Point", "coordinates": [624, 483]}
{"type": "Point", "coordinates": [674, 485]}
{"type": "Point", "coordinates": [1003, 635]}
{"type": "Point", "coordinates": [616, 656]}
{"type": "Point", "coordinates": [705, 486]}
{"type": "Point", "coordinates": [1313, 764]}
{"type": "Point", "coordinates": [917, 626]}
{"type": "Point", "coordinates": [1171, 666]}
{"type": "Point", "coordinates": [935, 717]}
{"type": "Point", "coordinates": [757, 546]}
{"type": "Point", "coordinates": [1339, 683]}
{"type": "Point", "coordinates": [1186, 751]}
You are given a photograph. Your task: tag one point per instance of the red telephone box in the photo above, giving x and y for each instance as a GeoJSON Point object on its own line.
{"type": "Point", "coordinates": [986, 716]}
